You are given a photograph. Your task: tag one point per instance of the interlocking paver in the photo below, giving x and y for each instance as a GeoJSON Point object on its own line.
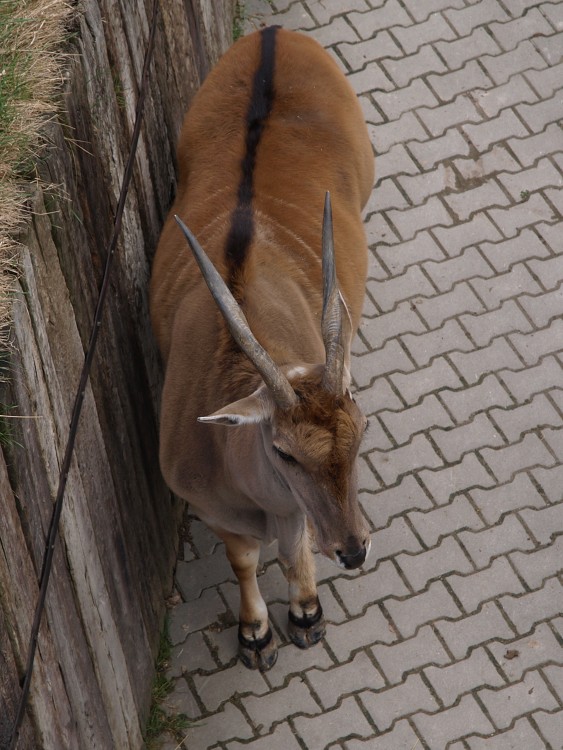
{"type": "Point", "coordinates": [520, 492]}
{"type": "Point", "coordinates": [474, 589]}
{"type": "Point", "coordinates": [441, 728]}
{"type": "Point", "coordinates": [451, 682]}
{"type": "Point", "coordinates": [451, 634]}
{"type": "Point", "coordinates": [398, 659]}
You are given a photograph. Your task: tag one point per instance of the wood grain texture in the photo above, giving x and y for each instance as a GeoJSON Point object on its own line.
{"type": "Point", "coordinates": [114, 559]}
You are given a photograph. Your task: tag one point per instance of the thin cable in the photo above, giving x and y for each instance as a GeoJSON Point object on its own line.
{"type": "Point", "coordinates": [79, 399]}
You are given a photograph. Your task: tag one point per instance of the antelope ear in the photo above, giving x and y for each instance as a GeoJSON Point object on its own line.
{"type": "Point", "coordinates": [256, 408]}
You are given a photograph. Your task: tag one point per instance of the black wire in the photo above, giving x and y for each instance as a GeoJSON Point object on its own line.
{"type": "Point", "coordinates": [79, 399]}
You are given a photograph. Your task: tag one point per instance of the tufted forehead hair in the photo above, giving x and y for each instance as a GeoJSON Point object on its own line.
{"type": "Point", "coordinates": [322, 426]}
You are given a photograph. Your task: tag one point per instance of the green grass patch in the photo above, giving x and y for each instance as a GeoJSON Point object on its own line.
{"type": "Point", "coordinates": [161, 721]}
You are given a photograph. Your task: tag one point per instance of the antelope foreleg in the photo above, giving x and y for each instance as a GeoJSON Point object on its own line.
{"type": "Point", "coordinates": [257, 644]}
{"type": "Point", "coordinates": [306, 624]}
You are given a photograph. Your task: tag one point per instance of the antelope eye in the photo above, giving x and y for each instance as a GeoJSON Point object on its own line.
{"type": "Point", "coordinates": [287, 457]}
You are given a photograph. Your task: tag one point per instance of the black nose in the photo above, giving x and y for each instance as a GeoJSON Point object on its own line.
{"type": "Point", "coordinates": [354, 560]}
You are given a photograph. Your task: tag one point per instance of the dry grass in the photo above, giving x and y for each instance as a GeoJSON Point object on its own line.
{"type": "Point", "coordinates": [31, 36]}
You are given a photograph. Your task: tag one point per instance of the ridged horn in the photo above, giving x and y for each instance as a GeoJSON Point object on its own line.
{"type": "Point", "coordinates": [331, 325]}
{"type": "Point", "coordinates": [279, 386]}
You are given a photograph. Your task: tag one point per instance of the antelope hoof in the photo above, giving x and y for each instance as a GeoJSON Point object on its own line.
{"type": "Point", "coordinates": [307, 630]}
{"type": "Point", "coordinates": [258, 653]}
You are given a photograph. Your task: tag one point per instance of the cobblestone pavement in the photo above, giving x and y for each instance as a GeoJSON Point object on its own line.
{"type": "Point", "coordinates": [451, 636]}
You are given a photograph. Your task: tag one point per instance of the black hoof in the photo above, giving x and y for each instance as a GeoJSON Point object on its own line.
{"type": "Point", "coordinates": [307, 630]}
{"type": "Point", "coordinates": [258, 653]}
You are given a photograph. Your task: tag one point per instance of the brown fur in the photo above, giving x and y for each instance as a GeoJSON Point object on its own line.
{"type": "Point", "coordinates": [313, 140]}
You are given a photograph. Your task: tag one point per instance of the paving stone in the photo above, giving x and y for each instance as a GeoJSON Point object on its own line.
{"type": "Point", "coordinates": [325, 10]}
{"type": "Point", "coordinates": [529, 150]}
{"type": "Point", "coordinates": [503, 255]}
{"type": "Point", "coordinates": [440, 729]}
{"type": "Point", "coordinates": [293, 700]}
{"type": "Point", "coordinates": [190, 655]}
{"type": "Point", "coordinates": [514, 91]}
{"type": "Point", "coordinates": [510, 34]}
{"type": "Point", "coordinates": [449, 85]}
{"type": "Point", "coordinates": [553, 439]}
{"type": "Point", "coordinates": [544, 523]}
{"type": "Point", "coordinates": [447, 273]}
{"type": "Point", "coordinates": [534, 650]}
{"type": "Point", "coordinates": [465, 403]}
{"type": "Point", "coordinates": [411, 220]}
{"type": "Point", "coordinates": [469, 201]}
{"type": "Point", "coordinates": [389, 292]}
{"type": "Point", "coordinates": [392, 703]}
{"type": "Point", "coordinates": [402, 71]}
{"type": "Point", "coordinates": [550, 48]}
{"type": "Point", "coordinates": [519, 493]}
{"type": "Point", "coordinates": [467, 19]}
{"type": "Point", "coordinates": [282, 738]}
{"type": "Point", "coordinates": [420, 187]}
{"type": "Point", "coordinates": [505, 125]}
{"type": "Point", "coordinates": [523, 610]}
{"type": "Point", "coordinates": [402, 319]}
{"type": "Point", "coordinates": [475, 364]}
{"type": "Point", "coordinates": [504, 537]}
{"type": "Point", "coordinates": [397, 659]}
{"type": "Point", "coordinates": [548, 271]}
{"type": "Point", "coordinates": [409, 614]}
{"type": "Point", "coordinates": [472, 590]}
{"type": "Point", "coordinates": [455, 239]}
{"type": "Point", "coordinates": [520, 419]}
{"type": "Point", "coordinates": [228, 723]}
{"type": "Point", "coordinates": [403, 424]}
{"type": "Point", "coordinates": [430, 153]}
{"type": "Point", "coordinates": [468, 632]}
{"type": "Point", "coordinates": [542, 175]}
{"type": "Point", "coordinates": [401, 736]}
{"type": "Point", "coordinates": [332, 34]}
{"type": "Point", "coordinates": [407, 128]}
{"type": "Point", "coordinates": [496, 159]}
{"type": "Point", "coordinates": [297, 17]}
{"type": "Point", "coordinates": [359, 54]}
{"type": "Point", "coordinates": [510, 702]}
{"type": "Point", "coordinates": [421, 12]}
{"type": "Point", "coordinates": [412, 37]}
{"type": "Point", "coordinates": [216, 688]}
{"type": "Point", "coordinates": [426, 346]}
{"type": "Point", "coordinates": [378, 230]}
{"type": "Point", "coordinates": [389, 358]}
{"type": "Point", "coordinates": [188, 617]}
{"type": "Point", "coordinates": [391, 465]}
{"type": "Point", "coordinates": [193, 577]}
{"type": "Point", "coordinates": [359, 592]}
{"type": "Point", "coordinates": [456, 442]}
{"type": "Point", "coordinates": [319, 731]}
{"type": "Point", "coordinates": [380, 396]}
{"type": "Point", "coordinates": [358, 674]}
{"type": "Point", "coordinates": [533, 346]}
{"type": "Point", "coordinates": [554, 674]}
{"type": "Point", "coordinates": [456, 53]}
{"type": "Point", "coordinates": [388, 503]}
{"type": "Point", "coordinates": [545, 308]}
{"type": "Point", "coordinates": [422, 247]}
{"type": "Point", "coordinates": [538, 116]}
{"type": "Point", "coordinates": [506, 319]}
{"type": "Point", "coordinates": [549, 726]}
{"type": "Point", "coordinates": [451, 682]}
{"type": "Point", "coordinates": [397, 537]}
{"type": "Point", "coordinates": [437, 309]}
{"type": "Point", "coordinates": [551, 482]}
{"type": "Point", "coordinates": [520, 736]}
{"type": "Point", "coordinates": [371, 78]}
{"type": "Point", "coordinates": [515, 282]}
{"type": "Point", "coordinates": [502, 67]}
{"type": "Point", "coordinates": [535, 567]}
{"type": "Point", "coordinates": [465, 475]}
{"type": "Point", "coordinates": [434, 563]}
{"type": "Point", "coordinates": [432, 525]}
{"type": "Point", "coordinates": [368, 24]}
{"type": "Point", "coordinates": [346, 638]}
{"type": "Point", "coordinates": [395, 162]}
{"type": "Point", "coordinates": [512, 219]}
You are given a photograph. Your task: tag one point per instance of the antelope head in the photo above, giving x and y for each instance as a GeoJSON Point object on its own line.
{"type": "Point", "coordinates": [311, 425]}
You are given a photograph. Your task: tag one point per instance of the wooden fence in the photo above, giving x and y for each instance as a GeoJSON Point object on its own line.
{"type": "Point", "coordinates": [114, 559]}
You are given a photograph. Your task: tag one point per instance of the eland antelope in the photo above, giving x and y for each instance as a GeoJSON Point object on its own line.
{"type": "Point", "coordinates": [259, 431]}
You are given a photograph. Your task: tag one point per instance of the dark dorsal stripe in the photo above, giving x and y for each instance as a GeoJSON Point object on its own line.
{"type": "Point", "coordinates": [260, 106]}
